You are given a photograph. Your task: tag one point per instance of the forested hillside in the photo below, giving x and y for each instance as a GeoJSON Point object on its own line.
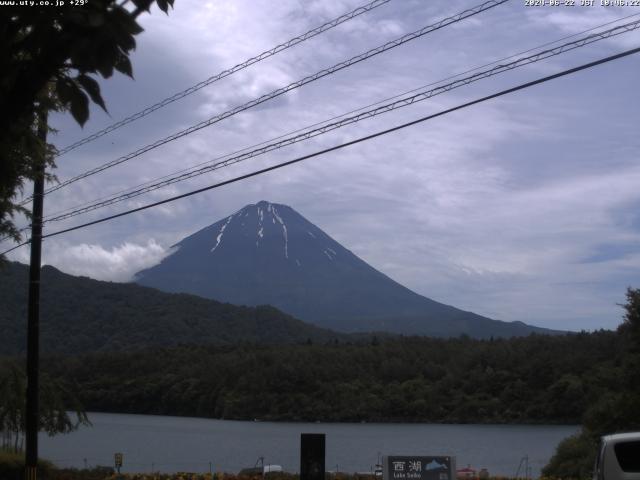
{"type": "Point", "coordinates": [537, 379]}
{"type": "Point", "coordinates": [80, 315]}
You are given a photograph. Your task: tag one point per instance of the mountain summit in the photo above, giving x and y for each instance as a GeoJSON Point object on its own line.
{"type": "Point", "coordinates": [268, 253]}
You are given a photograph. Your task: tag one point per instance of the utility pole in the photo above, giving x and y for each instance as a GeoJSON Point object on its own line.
{"type": "Point", "coordinates": [33, 312]}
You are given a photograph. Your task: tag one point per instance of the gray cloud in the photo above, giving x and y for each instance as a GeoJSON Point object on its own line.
{"type": "Point", "coordinates": [493, 209]}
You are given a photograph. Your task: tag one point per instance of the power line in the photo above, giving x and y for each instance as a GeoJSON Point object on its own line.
{"type": "Point", "coordinates": [342, 145]}
{"type": "Point", "coordinates": [168, 179]}
{"type": "Point", "coordinates": [149, 183]}
{"type": "Point", "coordinates": [225, 73]}
{"type": "Point", "coordinates": [403, 102]}
{"type": "Point", "coordinates": [27, 227]}
{"type": "Point", "coordinates": [292, 86]}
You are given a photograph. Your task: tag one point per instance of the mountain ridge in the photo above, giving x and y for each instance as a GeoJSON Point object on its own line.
{"type": "Point", "coordinates": [267, 253]}
{"type": "Point", "coordinates": [80, 315]}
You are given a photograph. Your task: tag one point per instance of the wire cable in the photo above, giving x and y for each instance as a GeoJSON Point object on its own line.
{"type": "Point", "coordinates": [111, 198]}
{"type": "Point", "coordinates": [328, 120]}
{"type": "Point", "coordinates": [342, 145]}
{"type": "Point", "coordinates": [403, 102]}
{"type": "Point", "coordinates": [225, 73]}
{"type": "Point", "coordinates": [292, 86]}
{"type": "Point", "coordinates": [254, 146]}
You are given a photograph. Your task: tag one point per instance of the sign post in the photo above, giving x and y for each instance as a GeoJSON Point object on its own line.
{"type": "Point", "coordinates": [312, 456]}
{"type": "Point", "coordinates": [117, 458]}
{"type": "Point", "coordinates": [414, 467]}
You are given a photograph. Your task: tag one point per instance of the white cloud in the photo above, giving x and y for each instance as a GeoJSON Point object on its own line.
{"type": "Point", "coordinates": [117, 264]}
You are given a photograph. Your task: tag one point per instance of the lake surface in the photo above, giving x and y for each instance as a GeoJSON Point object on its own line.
{"type": "Point", "coordinates": [170, 444]}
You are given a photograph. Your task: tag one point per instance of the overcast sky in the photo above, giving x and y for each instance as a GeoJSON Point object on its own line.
{"type": "Point", "coordinates": [522, 208]}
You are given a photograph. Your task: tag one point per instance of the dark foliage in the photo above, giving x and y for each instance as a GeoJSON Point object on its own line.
{"type": "Point", "coordinates": [617, 409]}
{"type": "Point", "coordinates": [79, 315]}
{"type": "Point", "coordinates": [574, 458]}
{"type": "Point", "coordinates": [57, 402]}
{"type": "Point", "coordinates": [537, 379]}
{"type": "Point", "coordinates": [47, 58]}
{"type": "Point", "coordinates": [12, 466]}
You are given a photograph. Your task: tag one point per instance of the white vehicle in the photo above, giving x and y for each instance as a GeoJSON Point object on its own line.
{"type": "Point", "coordinates": [618, 457]}
{"type": "Point", "coordinates": [260, 469]}
{"type": "Point", "coordinates": [272, 468]}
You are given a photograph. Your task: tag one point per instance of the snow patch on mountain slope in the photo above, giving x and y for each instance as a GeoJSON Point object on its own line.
{"type": "Point", "coordinates": [260, 235]}
{"type": "Point", "coordinates": [219, 237]}
{"type": "Point", "coordinates": [261, 228]}
{"type": "Point", "coordinates": [284, 231]}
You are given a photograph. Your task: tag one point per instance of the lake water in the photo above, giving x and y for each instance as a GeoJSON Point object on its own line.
{"type": "Point", "coordinates": [170, 444]}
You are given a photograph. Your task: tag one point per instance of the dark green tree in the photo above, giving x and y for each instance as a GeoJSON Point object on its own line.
{"type": "Point", "coordinates": [49, 58]}
{"type": "Point", "coordinates": [56, 400]}
{"type": "Point", "coordinates": [574, 458]}
{"type": "Point", "coordinates": [630, 326]}
{"type": "Point", "coordinates": [617, 407]}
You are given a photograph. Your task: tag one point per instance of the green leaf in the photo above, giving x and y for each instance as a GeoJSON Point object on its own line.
{"type": "Point", "coordinates": [83, 54]}
{"type": "Point", "coordinates": [126, 41]}
{"type": "Point", "coordinates": [63, 90]}
{"type": "Point", "coordinates": [92, 88]}
{"type": "Point", "coordinates": [79, 106]}
{"type": "Point", "coordinates": [73, 98]}
{"type": "Point", "coordinates": [105, 70]}
{"type": "Point", "coordinates": [143, 4]}
{"type": "Point", "coordinates": [106, 56]}
{"type": "Point", "coordinates": [124, 21]}
{"type": "Point", "coordinates": [123, 65]}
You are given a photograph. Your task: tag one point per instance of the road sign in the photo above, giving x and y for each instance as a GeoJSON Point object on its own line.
{"type": "Point", "coordinates": [118, 460]}
{"type": "Point", "coordinates": [410, 467]}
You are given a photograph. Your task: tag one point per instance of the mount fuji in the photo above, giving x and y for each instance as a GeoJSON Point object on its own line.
{"type": "Point", "coordinates": [267, 253]}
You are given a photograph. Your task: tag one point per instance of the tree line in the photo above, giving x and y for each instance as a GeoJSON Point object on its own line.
{"type": "Point", "coordinates": [591, 379]}
{"type": "Point", "coordinates": [536, 379]}
{"type": "Point", "coordinates": [616, 409]}
{"type": "Point", "coordinates": [80, 315]}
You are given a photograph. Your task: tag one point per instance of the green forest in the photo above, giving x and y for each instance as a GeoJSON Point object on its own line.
{"type": "Point", "coordinates": [616, 409]}
{"type": "Point", "coordinates": [80, 315]}
{"type": "Point", "coordinates": [592, 379]}
{"type": "Point", "coordinates": [537, 379]}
